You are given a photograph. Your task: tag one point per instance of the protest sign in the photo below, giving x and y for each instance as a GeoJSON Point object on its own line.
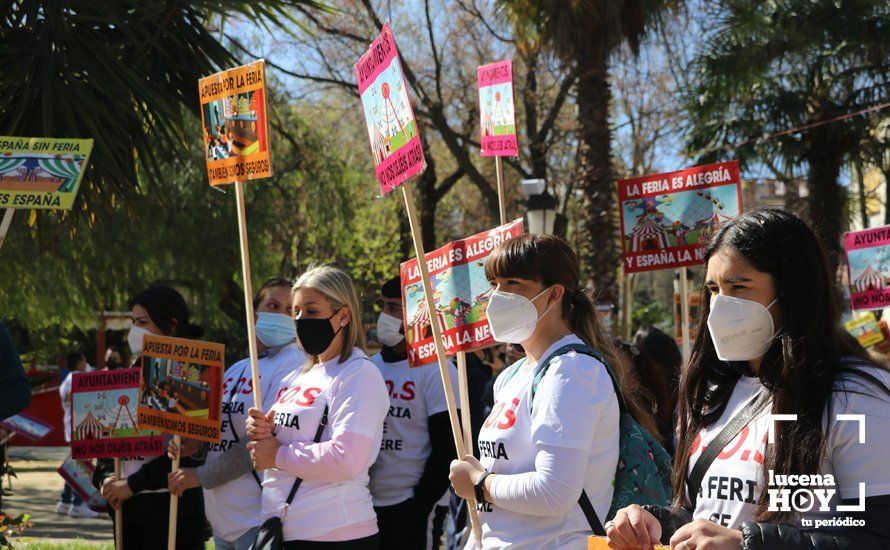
{"type": "Point", "coordinates": [79, 475]}
{"type": "Point", "coordinates": [665, 218]}
{"type": "Point", "coordinates": [41, 172]}
{"type": "Point", "coordinates": [233, 117]}
{"type": "Point", "coordinates": [866, 330]}
{"type": "Point", "coordinates": [868, 262]}
{"type": "Point", "coordinates": [460, 292]}
{"type": "Point", "coordinates": [103, 416]}
{"type": "Point", "coordinates": [497, 119]}
{"type": "Point", "coordinates": [181, 387]}
{"type": "Point", "coordinates": [600, 543]}
{"type": "Point", "coordinates": [389, 117]}
{"type": "Point", "coordinates": [27, 426]}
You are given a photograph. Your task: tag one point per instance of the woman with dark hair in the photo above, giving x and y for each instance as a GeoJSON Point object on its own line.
{"type": "Point", "coordinates": [553, 433]}
{"type": "Point", "coordinates": [657, 364]}
{"type": "Point", "coordinates": [142, 490]}
{"type": "Point", "coordinates": [770, 343]}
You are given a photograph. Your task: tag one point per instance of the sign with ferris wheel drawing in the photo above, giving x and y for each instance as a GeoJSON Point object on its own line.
{"type": "Point", "coordinates": [103, 417]}
{"type": "Point", "coordinates": [497, 118]}
{"type": "Point", "coordinates": [666, 218]}
{"type": "Point", "coordinates": [389, 118]}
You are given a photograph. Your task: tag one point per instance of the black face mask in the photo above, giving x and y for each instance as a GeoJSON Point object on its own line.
{"type": "Point", "coordinates": [112, 365]}
{"type": "Point", "coordinates": [316, 335]}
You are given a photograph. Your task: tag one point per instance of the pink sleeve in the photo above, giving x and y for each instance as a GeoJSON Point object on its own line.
{"type": "Point", "coordinates": [341, 458]}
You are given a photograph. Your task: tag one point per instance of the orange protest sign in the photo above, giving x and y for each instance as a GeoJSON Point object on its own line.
{"type": "Point", "coordinates": [599, 543]}
{"type": "Point", "coordinates": [235, 129]}
{"type": "Point", "coordinates": [181, 387]}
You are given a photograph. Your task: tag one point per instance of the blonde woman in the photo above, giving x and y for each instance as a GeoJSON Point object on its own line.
{"type": "Point", "coordinates": [325, 426]}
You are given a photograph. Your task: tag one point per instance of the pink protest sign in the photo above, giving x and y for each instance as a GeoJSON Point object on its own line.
{"type": "Point", "coordinates": [868, 263]}
{"type": "Point", "coordinates": [389, 117]}
{"type": "Point", "coordinates": [497, 118]}
{"type": "Point", "coordinates": [103, 416]}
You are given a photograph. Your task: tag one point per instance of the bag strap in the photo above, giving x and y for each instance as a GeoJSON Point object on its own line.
{"type": "Point", "coordinates": [235, 388]}
{"type": "Point", "coordinates": [591, 516]}
{"type": "Point", "coordinates": [583, 501]}
{"type": "Point", "coordinates": [298, 481]}
{"type": "Point", "coordinates": [716, 446]}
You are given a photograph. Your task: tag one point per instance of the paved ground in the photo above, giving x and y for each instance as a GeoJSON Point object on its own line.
{"type": "Point", "coordinates": [36, 491]}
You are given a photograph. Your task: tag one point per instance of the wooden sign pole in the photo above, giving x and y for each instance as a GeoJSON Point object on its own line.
{"type": "Point", "coordinates": [174, 500]}
{"type": "Point", "coordinates": [440, 346]}
{"type": "Point", "coordinates": [248, 295]}
{"type": "Point", "coordinates": [684, 315]}
{"type": "Point", "coordinates": [119, 513]}
{"type": "Point", "coordinates": [4, 225]}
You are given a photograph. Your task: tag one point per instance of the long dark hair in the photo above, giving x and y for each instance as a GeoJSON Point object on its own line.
{"type": "Point", "coordinates": [658, 369]}
{"type": "Point", "coordinates": [802, 364]}
{"type": "Point", "coordinates": [550, 260]}
{"type": "Point", "coordinates": [168, 311]}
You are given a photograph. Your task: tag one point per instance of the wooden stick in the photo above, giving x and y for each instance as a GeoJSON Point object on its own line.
{"type": "Point", "coordinates": [463, 390]}
{"type": "Point", "coordinates": [684, 314]}
{"type": "Point", "coordinates": [119, 513]}
{"type": "Point", "coordinates": [628, 305]}
{"type": "Point", "coordinates": [502, 204]}
{"type": "Point", "coordinates": [4, 225]}
{"type": "Point", "coordinates": [248, 295]}
{"type": "Point", "coordinates": [174, 500]}
{"type": "Point", "coordinates": [440, 347]}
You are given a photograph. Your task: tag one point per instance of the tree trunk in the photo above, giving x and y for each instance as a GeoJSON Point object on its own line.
{"type": "Point", "coordinates": [598, 244]}
{"type": "Point", "coordinates": [826, 199]}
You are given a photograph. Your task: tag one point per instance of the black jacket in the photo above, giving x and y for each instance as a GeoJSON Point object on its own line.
{"type": "Point", "coordinates": [873, 535]}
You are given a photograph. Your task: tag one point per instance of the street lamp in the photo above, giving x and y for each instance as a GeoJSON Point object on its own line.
{"type": "Point", "coordinates": [541, 206]}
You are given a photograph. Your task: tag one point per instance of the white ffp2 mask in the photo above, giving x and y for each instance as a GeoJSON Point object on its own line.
{"type": "Point", "coordinates": [512, 317]}
{"type": "Point", "coordinates": [740, 329]}
{"type": "Point", "coordinates": [135, 337]}
{"type": "Point", "coordinates": [388, 328]}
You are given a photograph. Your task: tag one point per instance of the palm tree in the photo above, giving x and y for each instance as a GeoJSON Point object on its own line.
{"type": "Point", "coordinates": [585, 33]}
{"type": "Point", "coordinates": [770, 67]}
{"type": "Point", "coordinates": [123, 72]}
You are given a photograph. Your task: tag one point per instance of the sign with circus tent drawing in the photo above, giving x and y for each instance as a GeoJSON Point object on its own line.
{"type": "Point", "coordinates": [389, 117]}
{"type": "Point", "coordinates": [666, 218]}
{"type": "Point", "coordinates": [460, 291]}
{"type": "Point", "coordinates": [41, 172]}
{"type": "Point", "coordinates": [497, 118]}
{"type": "Point", "coordinates": [868, 265]}
{"type": "Point", "coordinates": [103, 417]}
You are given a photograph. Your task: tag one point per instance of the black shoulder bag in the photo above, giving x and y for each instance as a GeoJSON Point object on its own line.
{"type": "Point", "coordinates": [270, 535]}
{"type": "Point", "coordinates": [716, 446]}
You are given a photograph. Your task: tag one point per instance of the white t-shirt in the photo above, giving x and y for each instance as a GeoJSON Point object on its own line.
{"type": "Point", "coordinates": [415, 395]}
{"type": "Point", "coordinates": [65, 396]}
{"type": "Point", "coordinates": [358, 403]}
{"type": "Point", "coordinates": [574, 407]}
{"type": "Point", "coordinates": [732, 485]}
{"type": "Point", "coordinates": [233, 508]}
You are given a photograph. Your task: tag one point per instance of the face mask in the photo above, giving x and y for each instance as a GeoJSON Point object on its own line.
{"type": "Point", "coordinates": [112, 364]}
{"type": "Point", "coordinates": [512, 317]}
{"type": "Point", "coordinates": [740, 329]}
{"type": "Point", "coordinates": [134, 339]}
{"type": "Point", "coordinates": [275, 329]}
{"type": "Point", "coordinates": [316, 335]}
{"type": "Point", "coordinates": [388, 328]}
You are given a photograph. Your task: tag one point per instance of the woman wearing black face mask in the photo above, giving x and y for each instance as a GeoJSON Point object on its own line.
{"type": "Point", "coordinates": [770, 341]}
{"type": "Point", "coordinates": [326, 425]}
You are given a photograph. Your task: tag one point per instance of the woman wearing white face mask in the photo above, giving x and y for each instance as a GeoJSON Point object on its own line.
{"type": "Point", "coordinates": [770, 342]}
{"type": "Point", "coordinates": [549, 439]}
{"type": "Point", "coordinates": [142, 492]}
{"type": "Point", "coordinates": [232, 489]}
{"type": "Point", "coordinates": [411, 471]}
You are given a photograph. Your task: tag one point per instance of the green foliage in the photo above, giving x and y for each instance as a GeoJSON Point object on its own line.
{"type": "Point", "coordinates": [117, 71]}
{"type": "Point", "coordinates": [12, 526]}
{"type": "Point", "coordinates": [318, 207]}
{"type": "Point", "coordinates": [651, 313]}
